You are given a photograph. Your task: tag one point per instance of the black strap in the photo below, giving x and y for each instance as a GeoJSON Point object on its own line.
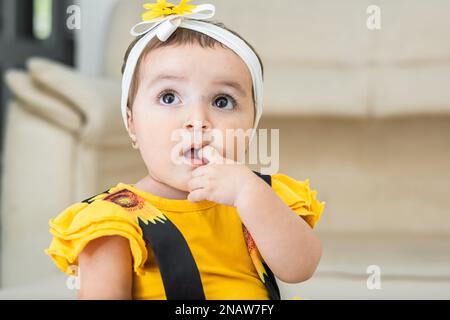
{"type": "Point", "coordinates": [176, 264]}
{"type": "Point", "coordinates": [270, 281]}
{"type": "Point", "coordinates": [91, 199]}
{"type": "Point", "coordinates": [267, 178]}
{"type": "Point", "coordinates": [179, 271]}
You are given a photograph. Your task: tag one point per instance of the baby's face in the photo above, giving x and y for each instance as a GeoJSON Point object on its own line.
{"type": "Point", "coordinates": [194, 91]}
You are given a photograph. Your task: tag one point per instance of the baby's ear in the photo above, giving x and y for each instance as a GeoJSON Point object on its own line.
{"type": "Point", "coordinates": [130, 121]}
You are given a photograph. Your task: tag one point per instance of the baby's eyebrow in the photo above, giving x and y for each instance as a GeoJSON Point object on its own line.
{"type": "Point", "coordinates": [228, 83]}
{"type": "Point", "coordinates": [232, 84]}
{"type": "Point", "coordinates": [166, 77]}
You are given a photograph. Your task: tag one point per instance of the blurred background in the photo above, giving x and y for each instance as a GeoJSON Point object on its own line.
{"type": "Point", "coordinates": [364, 114]}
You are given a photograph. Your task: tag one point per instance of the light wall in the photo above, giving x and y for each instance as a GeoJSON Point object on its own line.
{"type": "Point", "coordinates": [90, 38]}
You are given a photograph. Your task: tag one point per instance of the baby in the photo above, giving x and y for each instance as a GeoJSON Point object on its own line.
{"type": "Point", "coordinates": [200, 224]}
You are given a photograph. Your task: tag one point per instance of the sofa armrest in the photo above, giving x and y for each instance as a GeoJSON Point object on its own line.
{"type": "Point", "coordinates": [38, 102]}
{"type": "Point", "coordinates": [97, 99]}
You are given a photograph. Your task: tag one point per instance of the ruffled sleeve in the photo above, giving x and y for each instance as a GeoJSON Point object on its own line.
{"type": "Point", "coordinates": [299, 197]}
{"type": "Point", "coordinates": [82, 222]}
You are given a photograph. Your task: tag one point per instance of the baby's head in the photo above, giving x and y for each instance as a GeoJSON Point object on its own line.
{"type": "Point", "coordinates": [192, 85]}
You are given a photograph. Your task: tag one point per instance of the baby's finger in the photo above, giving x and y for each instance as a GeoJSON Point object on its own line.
{"type": "Point", "coordinates": [197, 195]}
{"type": "Point", "coordinates": [199, 171]}
{"type": "Point", "coordinates": [211, 154]}
{"type": "Point", "coordinates": [196, 183]}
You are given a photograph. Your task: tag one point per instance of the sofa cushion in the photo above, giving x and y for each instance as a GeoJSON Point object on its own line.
{"type": "Point", "coordinates": [419, 90]}
{"type": "Point", "coordinates": [41, 102]}
{"type": "Point", "coordinates": [97, 99]}
{"type": "Point", "coordinates": [412, 266]}
{"type": "Point", "coordinates": [401, 256]}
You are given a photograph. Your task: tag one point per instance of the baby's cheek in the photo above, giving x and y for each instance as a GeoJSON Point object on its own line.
{"type": "Point", "coordinates": [156, 153]}
{"type": "Point", "coordinates": [236, 145]}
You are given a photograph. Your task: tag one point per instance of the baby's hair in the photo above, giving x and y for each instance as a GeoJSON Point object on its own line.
{"type": "Point", "coordinates": [181, 36]}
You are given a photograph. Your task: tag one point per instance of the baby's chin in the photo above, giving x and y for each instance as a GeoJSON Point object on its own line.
{"type": "Point", "coordinates": [176, 175]}
{"type": "Point", "coordinates": [180, 175]}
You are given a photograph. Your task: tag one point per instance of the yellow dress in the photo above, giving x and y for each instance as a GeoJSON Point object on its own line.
{"type": "Point", "coordinates": [213, 232]}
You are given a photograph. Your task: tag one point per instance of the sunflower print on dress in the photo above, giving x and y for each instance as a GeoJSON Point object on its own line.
{"type": "Point", "coordinates": [131, 202]}
{"type": "Point", "coordinates": [255, 255]}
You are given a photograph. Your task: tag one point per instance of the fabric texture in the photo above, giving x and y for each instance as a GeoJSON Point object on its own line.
{"type": "Point", "coordinates": [213, 232]}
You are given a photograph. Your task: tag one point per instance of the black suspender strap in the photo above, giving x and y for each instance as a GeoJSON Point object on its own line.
{"type": "Point", "coordinates": [270, 281]}
{"type": "Point", "coordinates": [267, 178]}
{"type": "Point", "coordinates": [177, 266]}
{"type": "Point", "coordinates": [179, 271]}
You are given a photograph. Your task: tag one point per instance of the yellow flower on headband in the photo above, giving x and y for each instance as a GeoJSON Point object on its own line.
{"type": "Point", "coordinates": [162, 8]}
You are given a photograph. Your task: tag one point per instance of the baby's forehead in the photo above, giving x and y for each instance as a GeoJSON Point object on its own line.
{"type": "Point", "coordinates": [195, 62]}
{"type": "Point", "coordinates": [184, 55]}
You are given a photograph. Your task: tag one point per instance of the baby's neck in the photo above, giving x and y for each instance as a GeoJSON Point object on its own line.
{"type": "Point", "coordinates": [159, 189]}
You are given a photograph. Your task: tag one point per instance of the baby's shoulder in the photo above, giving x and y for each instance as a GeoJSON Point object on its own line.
{"type": "Point", "coordinates": [299, 196]}
{"type": "Point", "coordinates": [281, 179]}
{"type": "Point", "coordinates": [115, 211]}
{"type": "Point", "coordinates": [284, 183]}
{"type": "Point", "coordinates": [116, 204]}
{"type": "Point", "coordinates": [95, 208]}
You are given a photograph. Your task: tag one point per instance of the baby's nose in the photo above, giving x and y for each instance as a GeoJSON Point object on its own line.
{"type": "Point", "coordinates": [197, 125]}
{"type": "Point", "coordinates": [197, 116]}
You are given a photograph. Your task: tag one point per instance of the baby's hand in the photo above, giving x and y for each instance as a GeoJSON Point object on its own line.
{"type": "Point", "coordinates": [221, 180]}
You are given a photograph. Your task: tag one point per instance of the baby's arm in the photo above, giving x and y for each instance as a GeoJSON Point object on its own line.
{"type": "Point", "coordinates": [286, 242]}
{"type": "Point", "coordinates": [105, 269]}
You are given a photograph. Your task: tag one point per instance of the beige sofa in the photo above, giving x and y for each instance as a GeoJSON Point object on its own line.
{"type": "Point", "coordinates": [363, 114]}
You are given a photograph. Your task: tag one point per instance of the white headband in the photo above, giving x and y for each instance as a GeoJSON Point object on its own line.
{"type": "Point", "coordinates": [165, 26]}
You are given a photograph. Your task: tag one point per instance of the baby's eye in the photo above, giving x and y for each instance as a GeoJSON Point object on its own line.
{"type": "Point", "coordinates": [225, 102]}
{"type": "Point", "coordinates": [168, 98]}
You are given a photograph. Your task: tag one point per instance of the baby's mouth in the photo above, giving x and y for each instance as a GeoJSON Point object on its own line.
{"type": "Point", "coordinates": [194, 157]}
